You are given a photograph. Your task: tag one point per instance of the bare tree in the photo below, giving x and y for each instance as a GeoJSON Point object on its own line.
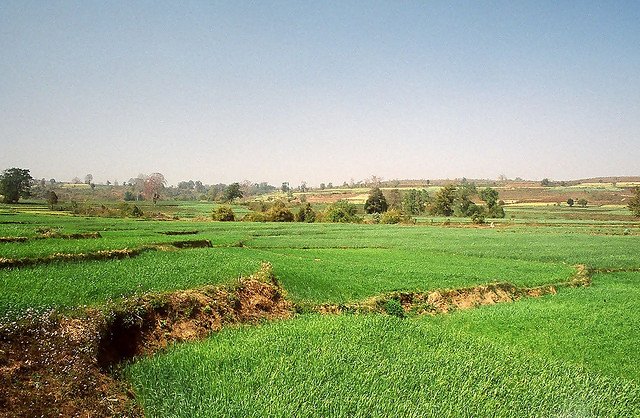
{"type": "Point", "coordinates": [153, 184]}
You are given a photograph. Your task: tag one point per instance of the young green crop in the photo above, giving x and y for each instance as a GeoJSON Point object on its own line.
{"type": "Point", "coordinates": [368, 366]}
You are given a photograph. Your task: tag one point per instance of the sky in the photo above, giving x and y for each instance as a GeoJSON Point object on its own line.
{"type": "Point", "coordinates": [329, 91]}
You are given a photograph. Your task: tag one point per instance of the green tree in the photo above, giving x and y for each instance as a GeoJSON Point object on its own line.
{"type": "Point", "coordinates": [582, 202]}
{"type": "Point", "coordinates": [306, 214]}
{"type": "Point", "coordinates": [52, 198]}
{"type": "Point", "coordinates": [14, 184]}
{"type": "Point", "coordinates": [376, 202]}
{"type": "Point", "coordinates": [232, 192]}
{"type": "Point", "coordinates": [570, 202]}
{"type": "Point", "coordinates": [490, 197]}
{"type": "Point", "coordinates": [341, 211]}
{"type": "Point", "coordinates": [634, 202]}
{"type": "Point", "coordinates": [415, 201]}
{"type": "Point", "coordinates": [463, 206]}
{"type": "Point", "coordinates": [443, 201]}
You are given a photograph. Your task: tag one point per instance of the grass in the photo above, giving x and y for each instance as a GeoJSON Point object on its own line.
{"type": "Point", "coordinates": [594, 328]}
{"type": "Point", "coordinates": [368, 366]}
{"type": "Point", "coordinates": [316, 263]}
{"type": "Point", "coordinates": [66, 285]}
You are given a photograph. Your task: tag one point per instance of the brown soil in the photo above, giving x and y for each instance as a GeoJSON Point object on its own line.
{"type": "Point", "coordinates": [63, 365]}
{"type": "Point", "coordinates": [444, 301]}
{"type": "Point", "coordinates": [13, 239]}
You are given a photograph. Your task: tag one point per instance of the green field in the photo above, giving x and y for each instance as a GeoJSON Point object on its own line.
{"type": "Point", "coordinates": [569, 354]}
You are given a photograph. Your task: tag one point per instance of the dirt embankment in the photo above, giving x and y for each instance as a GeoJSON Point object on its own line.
{"type": "Point", "coordinates": [63, 365]}
{"type": "Point", "coordinates": [444, 301]}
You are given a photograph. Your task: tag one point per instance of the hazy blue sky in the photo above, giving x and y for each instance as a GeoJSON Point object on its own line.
{"type": "Point", "coordinates": [320, 91]}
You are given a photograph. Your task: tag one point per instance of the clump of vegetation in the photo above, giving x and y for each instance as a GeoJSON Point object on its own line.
{"type": "Point", "coordinates": [444, 200]}
{"type": "Point", "coordinates": [634, 203]}
{"type": "Point", "coordinates": [254, 217]}
{"type": "Point", "coordinates": [223, 213]}
{"type": "Point", "coordinates": [306, 214]}
{"type": "Point", "coordinates": [376, 202]}
{"type": "Point", "coordinates": [415, 202]}
{"type": "Point", "coordinates": [570, 202]}
{"type": "Point", "coordinates": [582, 203]}
{"type": "Point", "coordinates": [392, 216]}
{"type": "Point", "coordinates": [279, 213]}
{"type": "Point", "coordinates": [52, 198]}
{"type": "Point", "coordinates": [341, 211]}
{"type": "Point", "coordinates": [14, 184]}
{"type": "Point", "coordinates": [394, 308]}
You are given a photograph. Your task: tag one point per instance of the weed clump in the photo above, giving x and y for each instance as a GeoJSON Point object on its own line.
{"type": "Point", "coordinates": [394, 308]}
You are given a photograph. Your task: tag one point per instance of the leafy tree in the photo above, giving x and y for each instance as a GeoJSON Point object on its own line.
{"type": "Point", "coordinates": [341, 211]}
{"type": "Point", "coordinates": [14, 184]}
{"type": "Point", "coordinates": [494, 207]}
{"type": "Point", "coordinates": [376, 202]}
{"type": "Point", "coordinates": [415, 201]}
{"type": "Point", "coordinates": [232, 192]}
{"type": "Point", "coordinates": [582, 202]}
{"type": "Point", "coordinates": [545, 182]}
{"type": "Point", "coordinates": [634, 202]}
{"type": "Point", "coordinates": [443, 201]}
{"type": "Point", "coordinates": [306, 214]}
{"type": "Point", "coordinates": [129, 196]}
{"type": "Point", "coordinates": [490, 196]}
{"type": "Point", "coordinates": [463, 206]}
{"type": "Point", "coordinates": [88, 179]}
{"type": "Point", "coordinates": [223, 214]}
{"type": "Point", "coordinates": [570, 202]}
{"type": "Point", "coordinates": [52, 198]}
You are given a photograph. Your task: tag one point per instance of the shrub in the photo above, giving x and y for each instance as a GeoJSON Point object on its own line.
{"type": "Point", "coordinates": [52, 198]}
{"type": "Point", "coordinates": [254, 217]}
{"type": "Point", "coordinates": [392, 216]}
{"type": "Point", "coordinates": [306, 214]}
{"type": "Point", "coordinates": [223, 214]}
{"type": "Point", "coordinates": [394, 308]}
{"type": "Point", "coordinates": [341, 211]}
{"type": "Point", "coordinates": [582, 203]}
{"type": "Point", "coordinates": [279, 213]}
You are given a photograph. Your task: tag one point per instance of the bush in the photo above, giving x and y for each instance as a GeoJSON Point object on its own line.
{"type": "Point", "coordinates": [279, 213]}
{"type": "Point", "coordinates": [392, 216]}
{"type": "Point", "coordinates": [254, 217]}
{"type": "Point", "coordinates": [394, 308]}
{"type": "Point", "coordinates": [306, 214]}
{"type": "Point", "coordinates": [223, 214]}
{"type": "Point", "coordinates": [341, 211]}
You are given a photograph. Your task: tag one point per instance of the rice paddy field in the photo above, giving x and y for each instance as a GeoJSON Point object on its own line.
{"type": "Point", "coordinates": [570, 353]}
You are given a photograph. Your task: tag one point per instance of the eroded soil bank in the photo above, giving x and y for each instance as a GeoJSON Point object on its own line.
{"type": "Point", "coordinates": [66, 365]}
{"type": "Point", "coordinates": [444, 301]}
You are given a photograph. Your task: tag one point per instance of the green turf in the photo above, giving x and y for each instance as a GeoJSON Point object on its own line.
{"type": "Point", "coordinates": [368, 366]}
{"type": "Point", "coordinates": [594, 327]}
